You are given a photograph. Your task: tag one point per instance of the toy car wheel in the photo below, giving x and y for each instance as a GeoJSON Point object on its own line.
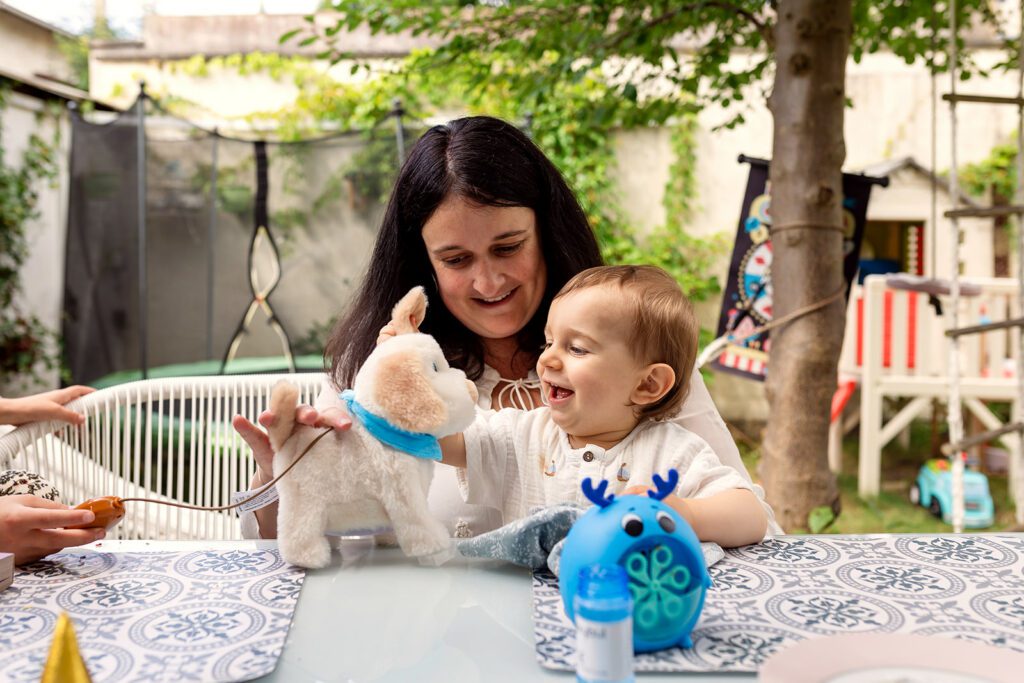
{"type": "Point", "coordinates": [935, 508]}
{"type": "Point", "coordinates": [915, 494]}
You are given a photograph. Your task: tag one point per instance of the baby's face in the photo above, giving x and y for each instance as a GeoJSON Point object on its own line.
{"type": "Point", "coordinates": [587, 370]}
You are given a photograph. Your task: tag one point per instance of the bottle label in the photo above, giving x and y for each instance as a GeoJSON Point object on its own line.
{"type": "Point", "coordinates": [604, 650]}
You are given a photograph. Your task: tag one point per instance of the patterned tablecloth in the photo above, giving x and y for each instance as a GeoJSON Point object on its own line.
{"type": "Point", "coordinates": [153, 616]}
{"type": "Point", "coordinates": [766, 597]}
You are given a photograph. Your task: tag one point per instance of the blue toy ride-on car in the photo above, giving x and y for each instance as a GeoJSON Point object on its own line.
{"type": "Point", "coordinates": [933, 489]}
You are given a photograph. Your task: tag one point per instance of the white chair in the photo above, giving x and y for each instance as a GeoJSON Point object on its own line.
{"type": "Point", "coordinates": [169, 439]}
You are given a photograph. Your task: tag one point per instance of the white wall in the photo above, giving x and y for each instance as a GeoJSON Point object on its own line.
{"type": "Point", "coordinates": [42, 275]}
{"type": "Point", "coordinates": [27, 49]}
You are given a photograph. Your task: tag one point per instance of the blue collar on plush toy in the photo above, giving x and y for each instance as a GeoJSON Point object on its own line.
{"type": "Point", "coordinates": [413, 443]}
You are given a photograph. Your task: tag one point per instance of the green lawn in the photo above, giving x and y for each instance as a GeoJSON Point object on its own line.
{"type": "Point", "coordinates": [892, 511]}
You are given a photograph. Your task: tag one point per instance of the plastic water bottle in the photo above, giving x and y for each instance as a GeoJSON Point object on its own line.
{"type": "Point", "coordinates": [604, 625]}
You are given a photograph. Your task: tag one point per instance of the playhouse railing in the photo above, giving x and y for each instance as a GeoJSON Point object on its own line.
{"type": "Point", "coordinates": [895, 348]}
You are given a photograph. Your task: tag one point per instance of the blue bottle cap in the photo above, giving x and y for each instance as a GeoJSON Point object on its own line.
{"type": "Point", "coordinates": [602, 593]}
{"type": "Point", "coordinates": [603, 581]}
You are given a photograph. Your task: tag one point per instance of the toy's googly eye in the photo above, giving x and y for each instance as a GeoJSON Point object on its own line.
{"type": "Point", "coordinates": [632, 525]}
{"type": "Point", "coordinates": [666, 522]}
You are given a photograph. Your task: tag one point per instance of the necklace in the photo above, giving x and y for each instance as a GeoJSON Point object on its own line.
{"type": "Point", "coordinates": [516, 393]}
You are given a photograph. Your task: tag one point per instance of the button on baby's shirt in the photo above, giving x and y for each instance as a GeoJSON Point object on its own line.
{"type": "Point", "coordinates": [589, 461]}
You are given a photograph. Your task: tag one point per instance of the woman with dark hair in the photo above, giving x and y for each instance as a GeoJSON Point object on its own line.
{"type": "Point", "coordinates": [487, 225]}
{"type": "Point", "coordinates": [469, 164]}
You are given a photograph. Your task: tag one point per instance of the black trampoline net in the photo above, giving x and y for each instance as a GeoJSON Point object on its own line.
{"type": "Point", "coordinates": [239, 258]}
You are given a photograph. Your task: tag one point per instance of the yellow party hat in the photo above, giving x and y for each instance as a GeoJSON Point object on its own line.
{"type": "Point", "coordinates": [64, 663]}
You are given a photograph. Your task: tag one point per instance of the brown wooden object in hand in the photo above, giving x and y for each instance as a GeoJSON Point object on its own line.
{"type": "Point", "coordinates": [109, 510]}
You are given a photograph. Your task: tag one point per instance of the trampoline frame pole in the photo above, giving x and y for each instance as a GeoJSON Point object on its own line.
{"type": "Point", "coordinates": [210, 246]}
{"type": "Point", "coordinates": [397, 112]}
{"type": "Point", "coordinates": [140, 160]}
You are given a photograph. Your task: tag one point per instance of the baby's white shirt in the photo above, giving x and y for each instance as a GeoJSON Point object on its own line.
{"type": "Point", "coordinates": [518, 460]}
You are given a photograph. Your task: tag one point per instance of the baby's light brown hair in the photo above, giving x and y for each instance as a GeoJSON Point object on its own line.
{"type": "Point", "coordinates": [664, 328]}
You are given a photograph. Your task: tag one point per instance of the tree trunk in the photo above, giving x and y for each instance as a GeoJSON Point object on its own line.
{"type": "Point", "coordinates": [812, 41]}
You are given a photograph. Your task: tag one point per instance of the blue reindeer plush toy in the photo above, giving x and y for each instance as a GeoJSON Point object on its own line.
{"type": "Point", "coordinates": [659, 551]}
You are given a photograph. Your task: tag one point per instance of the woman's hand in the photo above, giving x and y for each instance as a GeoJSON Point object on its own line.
{"type": "Point", "coordinates": [45, 406]}
{"type": "Point", "coordinates": [260, 444]}
{"type": "Point", "coordinates": [32, 527]}
{"type": "Point", "coordinates": [263, 454]}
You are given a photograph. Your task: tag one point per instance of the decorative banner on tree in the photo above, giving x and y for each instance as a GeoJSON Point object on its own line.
{"type": "Point", "coordinates": [748, 301]}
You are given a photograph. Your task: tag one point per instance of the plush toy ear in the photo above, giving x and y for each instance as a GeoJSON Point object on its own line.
{"type": "Point", "coordinates": [408, 313]}
{"type": "Point", "coordinates": [405, 395]}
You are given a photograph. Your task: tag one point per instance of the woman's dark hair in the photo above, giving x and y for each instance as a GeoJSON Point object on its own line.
{"type": "Point", "coordinates": [486, 161]}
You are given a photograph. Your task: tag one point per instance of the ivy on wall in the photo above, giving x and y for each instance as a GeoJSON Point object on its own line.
{"type": "Point", "coordinates": [27, 346]}
{"type": "Point", "coordinates": [997, 173]}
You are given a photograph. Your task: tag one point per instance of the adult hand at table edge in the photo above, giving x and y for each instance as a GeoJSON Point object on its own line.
{"type": "Point", "coordinates": [31, 527]}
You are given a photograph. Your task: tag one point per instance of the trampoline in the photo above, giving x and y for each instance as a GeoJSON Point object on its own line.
{"type": "Point", "coordinates": [193, 253]}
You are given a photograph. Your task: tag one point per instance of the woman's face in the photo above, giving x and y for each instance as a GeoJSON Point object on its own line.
{"type": "Point", "coordinates": [489, 265]}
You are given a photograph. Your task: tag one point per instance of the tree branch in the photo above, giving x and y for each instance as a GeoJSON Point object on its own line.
{"type": "Point", "coordinates": [762, 27]}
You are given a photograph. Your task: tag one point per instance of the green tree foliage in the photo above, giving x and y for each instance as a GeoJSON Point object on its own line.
{"type": "Point", "coordinates": [76, 51]}
{"type": "Point", "coordinates": [662, 59]}
{"type": "Point", "coordinates": [997, 172]}
{"type": "Point", "coordinates": [714, 51]}
{"type": "Point", "coordinates": [583, 69]}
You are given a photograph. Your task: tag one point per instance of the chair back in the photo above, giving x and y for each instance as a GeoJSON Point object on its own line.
{"type": "Point", "coordinates": [169, 439]}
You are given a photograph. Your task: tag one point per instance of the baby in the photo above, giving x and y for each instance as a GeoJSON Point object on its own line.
{"type": "Point", "coordinates": [621, 342]}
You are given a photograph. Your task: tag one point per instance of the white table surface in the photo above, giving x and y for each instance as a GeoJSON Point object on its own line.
{"type": "Point", "coordinates": [374, 615]}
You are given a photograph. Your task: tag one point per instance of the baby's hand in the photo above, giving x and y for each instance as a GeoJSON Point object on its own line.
{"type": "Point", "coordinates": [636, 491]}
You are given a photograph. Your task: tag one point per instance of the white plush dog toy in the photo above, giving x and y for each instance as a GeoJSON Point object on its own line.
{"type": "Point", "coordinates": [374, 477]}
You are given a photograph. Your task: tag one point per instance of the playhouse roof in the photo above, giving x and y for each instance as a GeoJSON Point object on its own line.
{"type": "Point", "coordinates": [909, 163]}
